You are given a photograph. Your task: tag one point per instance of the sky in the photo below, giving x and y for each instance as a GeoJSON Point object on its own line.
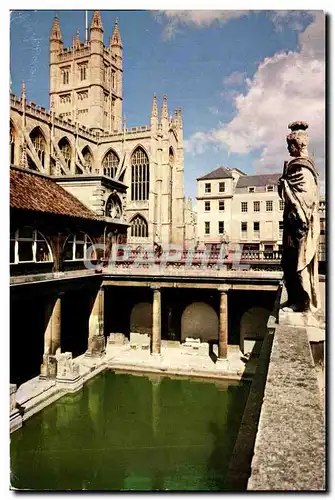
{"type": "Point", "coordinates": [239, 76]}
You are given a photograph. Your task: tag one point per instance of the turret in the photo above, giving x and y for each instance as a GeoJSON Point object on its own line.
{"type": "Point", "coordinates": [115, 42]}
{"type": "Point", "coordinates": [96, 71]}
{"type": "Point", "coordinates": [77, 41]}
{"type": "Point", "coordinates": [56, 45]}
{"type": "Point", "coordinates": [164, 115]}
{"type": "Point", "coordinates": [154, 114]}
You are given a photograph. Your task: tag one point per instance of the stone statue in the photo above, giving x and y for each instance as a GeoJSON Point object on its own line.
{"type": "Point", "coordinates": [299, 189]}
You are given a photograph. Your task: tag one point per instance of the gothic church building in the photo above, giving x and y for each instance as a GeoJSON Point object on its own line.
{"type": "Point", "coordinates": [134, 176]}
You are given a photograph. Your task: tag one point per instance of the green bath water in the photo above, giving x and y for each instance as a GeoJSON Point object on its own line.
{"type": "Point", "coordinates": [129, 432]}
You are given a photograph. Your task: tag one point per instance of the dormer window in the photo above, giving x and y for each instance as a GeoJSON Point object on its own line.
{"type": "Point", "coordinates": [251, 189]}
{"type": "Point", "coordinates": [269, 189]}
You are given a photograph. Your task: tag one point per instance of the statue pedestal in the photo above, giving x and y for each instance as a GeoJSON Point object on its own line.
{"type": "Point", "coordinates": [312, 322]}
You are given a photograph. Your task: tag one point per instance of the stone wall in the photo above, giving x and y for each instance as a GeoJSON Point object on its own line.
{"type": "Point", "coordinates": [289, 451]}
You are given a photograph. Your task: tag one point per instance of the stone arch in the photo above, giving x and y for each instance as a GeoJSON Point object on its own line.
{"type": "Point", "coordinates": [39, 141]}
{"type": "Point", "coordinates": [253, 324]}
{"type": "Point", "coordinates": [140, 174]}
{"type": "Point", "coordinates": [88, 157]}
{"type": "Point", "coordinates": [141, 318]}
{"type": "Point", "coordinates": [138, 226]}
{"type": "Point", "coordinates": [139, 146]}
{"type": "Point", "coordinates": [199, 320]}
{"type": "Point", "coordinates": [65, 146]}
{"type": "Point", "coordinates": [110, 163]}
{"type": "Point", "coordinates": [113, 207]}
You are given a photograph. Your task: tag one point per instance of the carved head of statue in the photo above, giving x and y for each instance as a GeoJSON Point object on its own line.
{"type": "Point", "coordinates": [297, 139]}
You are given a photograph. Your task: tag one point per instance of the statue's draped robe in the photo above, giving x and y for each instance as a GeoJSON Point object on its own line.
{"type": "Point", "coordinates": [301, 232]}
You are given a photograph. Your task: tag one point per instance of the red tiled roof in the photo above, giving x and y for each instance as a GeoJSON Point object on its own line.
{"type": "Point", "coordinates": [29, 191]}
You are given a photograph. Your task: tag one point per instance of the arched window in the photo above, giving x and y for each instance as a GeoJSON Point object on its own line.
{"type": "Point", "coordinates": [139, 175]}
{"type": "Point", "coordinates": [171, 156]}
{"type": "Point", "coordinates": [66, 151]}
{"type": "Point", "coordinates": [37, 138]}
{"type": "Point", "coordinates": [76, 247]}
{"type": "Point", "coordinates": [139, 227]}
{"type": "Point", "coordinates": [87, 155]}
{"type": "Point", "coordinates": [29, 245]}
{"type": "Point", "coordinates": [12, 144]}
{"type": "Point", "coordinates": [113, 207]}
{"type": "Point", "coordinates": [110, 164]}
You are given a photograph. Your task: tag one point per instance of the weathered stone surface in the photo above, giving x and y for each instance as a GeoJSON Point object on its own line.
{"type": "Point", "coordinates": [96, 346]}
{"type": "Point", "coordinates": [290, 445]}
{"type": "Point", "coordinates": [48, 367]}
{"type": "Point", "coordinates": [117, 338]}
{"type": "Point", "coordinates": [67, 369]}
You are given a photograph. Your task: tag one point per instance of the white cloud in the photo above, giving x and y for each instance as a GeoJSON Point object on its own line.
{"type": "Point", "coordinates": [292, 19]}
{"type": "Point", "coordinates": [198, 18]}
{"type": "Point", "coordinates": [235, 78]}
{"type": "Point", "coordinates": [286, 87]}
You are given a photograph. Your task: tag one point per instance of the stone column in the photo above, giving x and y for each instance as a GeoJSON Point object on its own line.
{"type": "Point", "coordinates": [156, 321]}
{"type": "Point", "coordinates": [223, 324]}
{"type": "Point", "coordinates": [96, 338]}
{"type": "Point", "coordinates": [52, 338]}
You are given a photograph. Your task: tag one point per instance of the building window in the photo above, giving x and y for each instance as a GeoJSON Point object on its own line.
{"type": "Point", "coordinates": [244, 229]}
{"type": "Point", "coordinates": [113, 79]}
{"type": "Point", "coordinates": [281, 229]}
{"type": "Point", "coordinates": [65, 98]}
{"type": "Point", "coordinates": [29, 245]}
{"type": "Point", "coordinates": [76, 247]}
{"type": "Point", "coordinates": [208, 187]}
{"type": "Point", "coordinates": [65, 75]}
{"type": "Point", "coordinates": [113, 207]}
{"type": "Point", "coordinates": [139, 227]}
{"type": "Point", "coordinates": [244, 206]}
{"type": "Point", "coordinates": [110, 164]}
{"type": "Point", "coordinates": [88, 159]}
{"type": "Point", "coordinates": [221, 205]}
{"type": "Point", "coordinates": [12, 144]}
{"type": "Point", "coordinates": [281, 205]}
{"type": "Point", "coordinates": [269, 205]}
{"type": "Point", "coordinates": [66, 151]}
{"type": "Point", "coordinates": [222, 187]}
{"type": "Point", "coordinates": [139, 175]}
{"type": "Point", "coordinates": [251, 189]}
{"type": "Point", "coordinates": [207, 206]}
{"type": "Point", "coordinates": [82, 95]}
{"type": "Point", "coordinates": [322, 226]}
{"type": "Point", "coordinates": [269, 189]}
{"type": "Point", "coordinates": [207, 227]}
{"type": "Point", "coordinates": [221, 227]}
{"type": "Point", "coordinates": [83, 71]}
{"type": "Point", "coordinates": [256, 230]}
{"type": "Point", "coordinates": [37, 138]}
{"type": "Point", "coordinates": [257, 206]}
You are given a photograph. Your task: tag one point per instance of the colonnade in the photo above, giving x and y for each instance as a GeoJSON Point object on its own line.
{"type": "Point", "coordinates": [96, 338]}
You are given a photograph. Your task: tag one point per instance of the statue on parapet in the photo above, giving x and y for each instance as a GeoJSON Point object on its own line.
{"type": "Point", "coordinates": [299, 189]}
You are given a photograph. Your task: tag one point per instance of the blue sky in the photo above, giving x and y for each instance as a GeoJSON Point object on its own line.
{"type": "Point", "coordinates": [239, 76]}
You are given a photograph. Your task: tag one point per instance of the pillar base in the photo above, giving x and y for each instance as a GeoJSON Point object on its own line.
{"type": "Point", "coordinates": [48, 367]}
{"type": "Point", "coordinates": [222, 364]}
{"type": "Point", "coordinates": [156, 354]}
{"type": "Point", "coordinates": [96, 346]}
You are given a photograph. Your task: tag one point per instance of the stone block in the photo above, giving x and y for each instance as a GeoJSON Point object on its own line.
{"type": "Point", "coordinates": [67, 369]}
{"type": "Point", "coordinates": [96, 346]}
{"type": "Point", "coordinates": [12, 395]}
{"type": "Point", "coordinates": [48, 367]}
{"type": "Point", "coordinates": [117, 338]}
{"type": "Point", "coordinates": [15, 420]}
{"type": "Point", "coordinates": [139, 338]}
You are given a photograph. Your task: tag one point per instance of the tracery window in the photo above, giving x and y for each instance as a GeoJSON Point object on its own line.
{"type": "Point", "coordinates": [28, 245]}
{"type": "Point", "coordinates": [139, 175]}
{"type": "Point", "coordinates": [65, 75]}
{"type": "Point", "coordinates": [66, 151]}
{"type": "Point", "coordinates": [39, 143]}
{"type": "Point", "coordinates": [76, 247]}
{"type": "Point", "coordinates": [139, 227]}
{"type": "Point", "coordinates": [110, 164]}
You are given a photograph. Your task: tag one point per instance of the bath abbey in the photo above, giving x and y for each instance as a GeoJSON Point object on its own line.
{"type": "Point", "coordinates": [132, 177]}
